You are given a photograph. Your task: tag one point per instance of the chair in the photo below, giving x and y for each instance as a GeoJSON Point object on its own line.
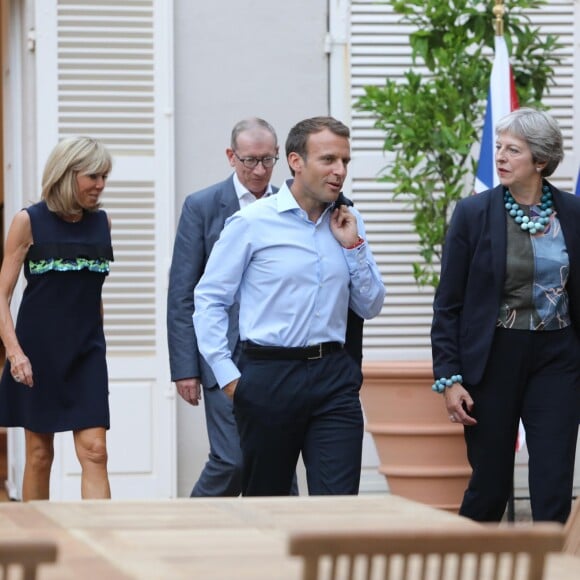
{"type": "Point", "coordinates": [26, 555]}
{"type": "Point", "coordinates": [572, 531]}
{"type": "Point", "coordinates": [482, 552]}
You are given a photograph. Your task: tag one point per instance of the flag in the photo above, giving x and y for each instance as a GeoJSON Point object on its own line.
{"type": "Point", "coordinates": [577, 190]}
{"type": "Point", "coordinates": [501, 100]}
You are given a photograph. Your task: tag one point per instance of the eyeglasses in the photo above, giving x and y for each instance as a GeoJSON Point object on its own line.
{"type": "Point", "coordinates": [252, 162]}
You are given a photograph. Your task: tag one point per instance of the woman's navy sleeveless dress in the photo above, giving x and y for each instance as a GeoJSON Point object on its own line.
{"type": "Point", "coordinates": [60, 327]}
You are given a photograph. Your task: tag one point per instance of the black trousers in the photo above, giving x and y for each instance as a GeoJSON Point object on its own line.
{"type": "Point", "coordinates": [535, 376]}
{"type": "Point", "coordinates": [287, 407]}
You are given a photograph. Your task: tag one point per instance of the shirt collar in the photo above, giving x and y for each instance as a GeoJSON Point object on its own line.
{"type": "Point", "coordinates": [284, 198]}
{"type": "Point", "coordinates": [242, 190]}
{"type": "Point", "coordinates": [286, 201]}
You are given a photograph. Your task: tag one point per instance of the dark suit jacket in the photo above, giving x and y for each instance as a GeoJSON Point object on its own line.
{"type": "Point", "coordinates": [202, 220]}
{"type": "Point", "coordinates": [473, 267]}
{"type": "Point", "coordinates": [355, 324]}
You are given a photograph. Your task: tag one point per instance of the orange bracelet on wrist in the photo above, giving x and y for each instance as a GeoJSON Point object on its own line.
{"type": "Point", "coordinates": [360, 241]}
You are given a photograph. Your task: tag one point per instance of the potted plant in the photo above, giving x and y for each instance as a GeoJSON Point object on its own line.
{"type": "Point", "coordinates": [432, 122]}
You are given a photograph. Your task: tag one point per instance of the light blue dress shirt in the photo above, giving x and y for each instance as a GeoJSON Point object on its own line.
{"type": "Point", "coordinates": [293, 280]}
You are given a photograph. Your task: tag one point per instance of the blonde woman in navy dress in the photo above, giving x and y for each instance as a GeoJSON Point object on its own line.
{"type": "Point", "coordinates": [55, 376]}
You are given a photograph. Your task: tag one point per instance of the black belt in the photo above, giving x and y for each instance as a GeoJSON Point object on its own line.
{"type": "Point", "coordinates": [312, 352]}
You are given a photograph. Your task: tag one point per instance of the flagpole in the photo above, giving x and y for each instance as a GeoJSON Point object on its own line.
{"type": "Point", "coordinates": [498, 12]}
{"type": "Point", "coordinates": [501, 100]}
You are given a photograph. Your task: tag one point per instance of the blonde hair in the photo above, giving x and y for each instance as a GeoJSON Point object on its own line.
{"type": "Point", "coordinates": [70, 157]}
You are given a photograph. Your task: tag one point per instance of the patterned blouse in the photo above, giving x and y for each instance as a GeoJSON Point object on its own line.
{"type": "Point", "coordinates": [537, 268]}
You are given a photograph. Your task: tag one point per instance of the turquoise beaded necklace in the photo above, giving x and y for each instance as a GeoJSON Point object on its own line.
{"type": "Point", "coordinates": [533, 224]}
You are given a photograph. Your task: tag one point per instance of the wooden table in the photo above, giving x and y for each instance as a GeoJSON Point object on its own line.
{"type": "Point", "coordinates": [218, 538]}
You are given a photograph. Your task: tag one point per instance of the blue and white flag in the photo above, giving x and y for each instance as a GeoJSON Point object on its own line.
{"type": "Point", "coordinates": [501, 100]}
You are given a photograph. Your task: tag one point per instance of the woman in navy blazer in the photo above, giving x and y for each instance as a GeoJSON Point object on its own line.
{"type": "Point", "coordinates": [506, 325]}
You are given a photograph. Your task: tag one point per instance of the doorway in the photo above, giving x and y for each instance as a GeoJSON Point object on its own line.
{"type": "Point", "coordinates": [3, 433]}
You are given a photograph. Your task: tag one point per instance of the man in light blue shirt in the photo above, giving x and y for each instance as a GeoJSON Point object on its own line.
{"type": "Point", "coordinates": [294, 263]}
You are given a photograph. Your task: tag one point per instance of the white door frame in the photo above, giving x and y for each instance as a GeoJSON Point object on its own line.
{"type": "Point", "coordinates": [19, 160]}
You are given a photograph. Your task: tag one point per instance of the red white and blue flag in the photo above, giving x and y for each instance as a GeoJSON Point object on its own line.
{"type": "Point", "coordinates": [501, 100]}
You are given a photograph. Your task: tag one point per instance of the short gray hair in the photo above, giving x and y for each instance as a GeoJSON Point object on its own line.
{"type": "Point", "coordinates": [249, 124]}
{"type": "Point", "coordinates": [540, 131]}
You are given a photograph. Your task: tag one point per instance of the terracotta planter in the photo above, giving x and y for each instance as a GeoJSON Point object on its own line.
{"type": "Point", "coordinates": [422, 454]}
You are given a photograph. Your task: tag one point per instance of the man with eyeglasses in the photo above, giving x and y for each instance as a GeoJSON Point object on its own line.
{"type": "Point", "coordinates": [253, 152]}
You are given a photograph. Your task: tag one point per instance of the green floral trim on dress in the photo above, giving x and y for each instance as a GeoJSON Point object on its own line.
{"type": "Point", "coordinates": [69, 265]}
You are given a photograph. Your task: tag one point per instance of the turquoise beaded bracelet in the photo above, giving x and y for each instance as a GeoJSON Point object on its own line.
{"type": "Point", "coordinates": [441, 384]}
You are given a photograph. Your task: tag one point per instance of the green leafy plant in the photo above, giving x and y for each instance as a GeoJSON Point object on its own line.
{"type": "Point", "coordinates": [433, 117]}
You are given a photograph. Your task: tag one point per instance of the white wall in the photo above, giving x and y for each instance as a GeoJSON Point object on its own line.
{"type": "Point", "coordinates": [234, 60]}
{"type": "Point", "coordinates": [237, 59]}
